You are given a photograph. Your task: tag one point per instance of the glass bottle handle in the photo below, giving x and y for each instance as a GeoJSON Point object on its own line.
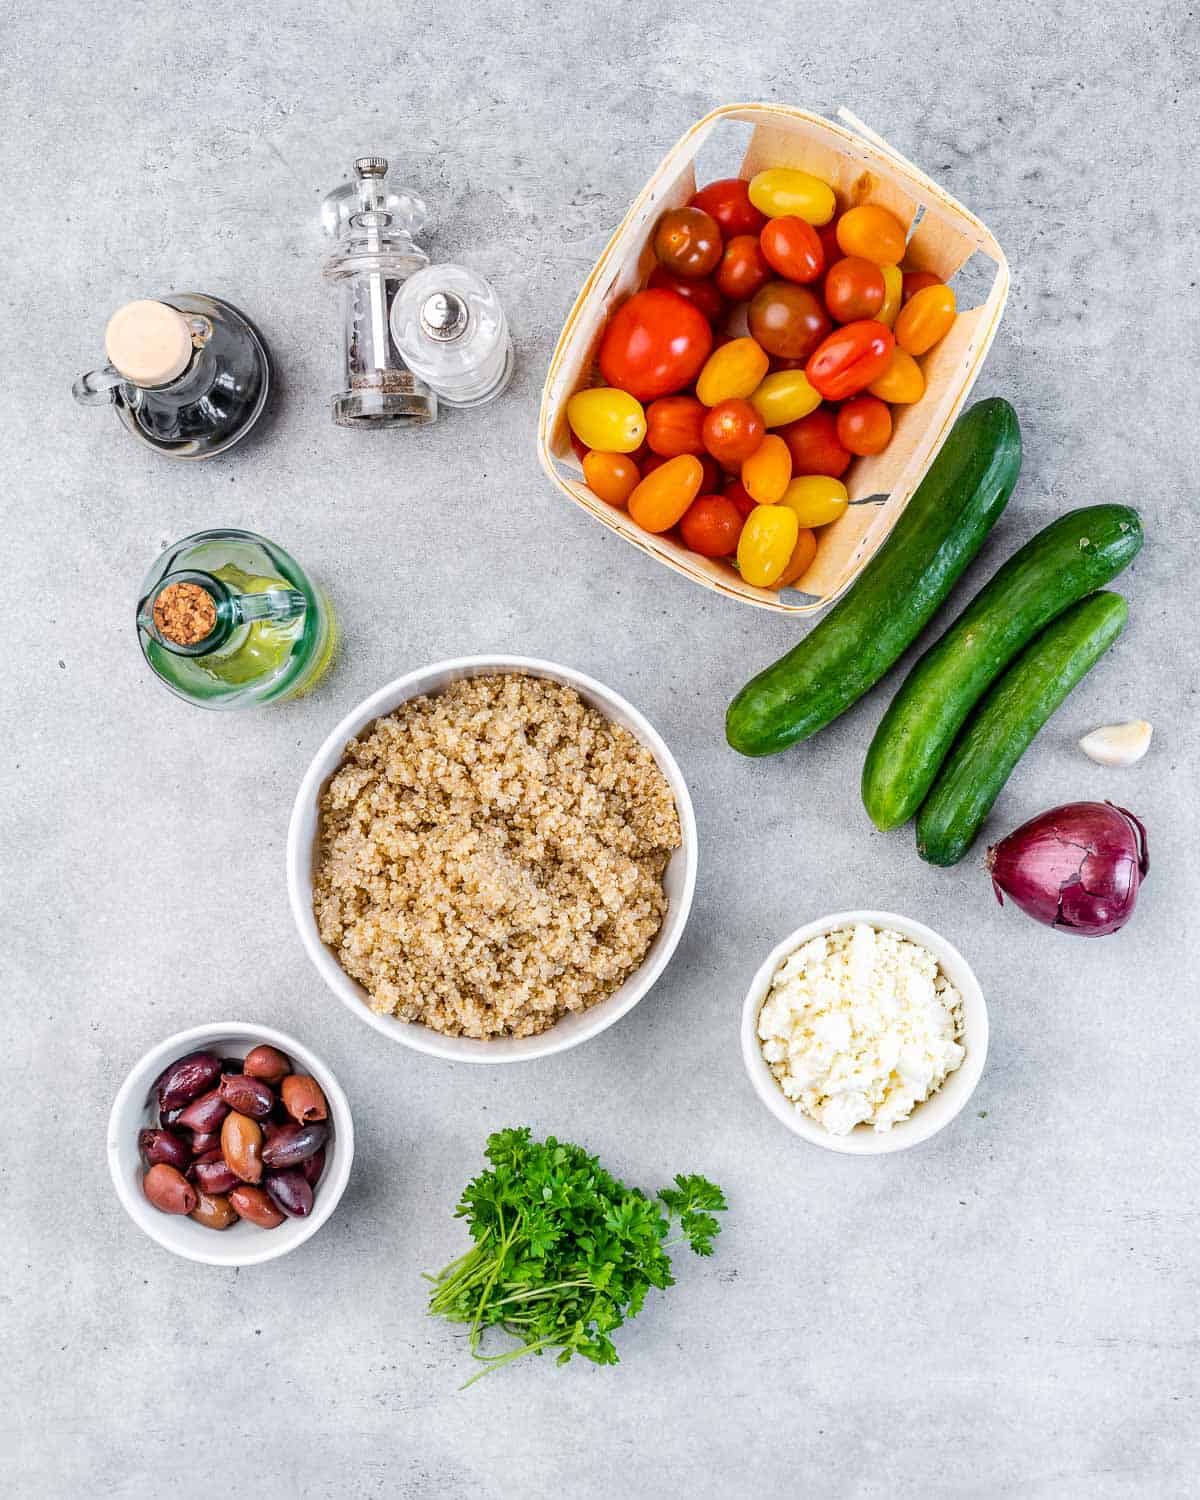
{"type": "Point", "coordinates": [96, 387]}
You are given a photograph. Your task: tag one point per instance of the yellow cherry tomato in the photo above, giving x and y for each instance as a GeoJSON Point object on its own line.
{"type": "Point", "coordinates": [612, 476]}
{"type": "Point", "coordinates": [816, 499]}
{"type": "Point", "coordinates": [902, 382]}
{"type": "Point", "coordinates": [735, 369]}
{"type": "Point", "coordinates": [666, 492]}
{"type": "Point", "coordinates": [766, 472]}
{"type": "Point", "coordinates": [605, 418]}
{"type": "Point", "coordinates": [893, 295]}
{"type": "Point", "coordinates": [802, 555]}
{"type": "Point", "coordinates": [766, 544]}
{"type": "Point", "coordinates": [872, 232]}
{"type": "Point", "coordinates": [783, 397]}
{"type": "Point", "coordinates": [780, 191]}
{"type": "Point", "coordinates": [926, 317]}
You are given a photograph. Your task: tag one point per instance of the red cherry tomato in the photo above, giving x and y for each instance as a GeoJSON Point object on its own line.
{"type": "Point", "coordinates": [688, 241]}
{"type": "Point", "coordinates": [700, 291]}
{"type": "Point", "coordinates": [850, 359]}
{"type": "Point", "coordinates": [736, 491]}
{"type": "Point", "coordinates": [814, 445]}
{"type": "Point", "coordinates": [580, 447]}
{"type": "Point", "coordinates": [788, 320]}
{"type": "Point", "coordinates": [917, 281]}
{"type": "Point", "coordinates": [711, 526]}
{"type": "Point", "coordinates": [793, 248]}
{"type": "Point", "coordinates": [655, 344]}
{"type": "Point", "coordinates": [864, 425]}
{"type": "Point", "coordinates": [854, 288]}
{"type": "Point", "coordinates": [743, 268]}
{"type": "Point", "coordinates": [729, 203]}
{"type": "Point", "coordinates": [827, 234]}
{"type": "Point", "coordinates": [675, 425]}
{"type": "Point", "coordinates": [733, 430]}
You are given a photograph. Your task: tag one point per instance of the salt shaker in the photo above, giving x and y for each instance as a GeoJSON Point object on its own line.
{"type": "Point", "coordinates": [450, 329]}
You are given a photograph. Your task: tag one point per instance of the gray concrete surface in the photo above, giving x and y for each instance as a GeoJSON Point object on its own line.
{"type": "Point", "coordinates": [1008, 1311]}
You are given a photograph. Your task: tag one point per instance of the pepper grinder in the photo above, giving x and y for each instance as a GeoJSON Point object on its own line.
{"type": "Point", "coordinates": [450, 329]}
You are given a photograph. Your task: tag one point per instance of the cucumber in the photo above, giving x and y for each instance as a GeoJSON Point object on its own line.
{"type": "Point", "coordinates": [940, 530]}
{"type": "Point", "coordinates": [1067, 560]}
{"type": "Point", "coordinates": [1005, 723]}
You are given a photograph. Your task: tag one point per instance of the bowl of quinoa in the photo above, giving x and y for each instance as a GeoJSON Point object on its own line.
{"type": "Point", "coordinates": [492, 858]}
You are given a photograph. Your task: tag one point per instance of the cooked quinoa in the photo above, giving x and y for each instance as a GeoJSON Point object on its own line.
{"type": "Point", "coordinates": [491, 857]}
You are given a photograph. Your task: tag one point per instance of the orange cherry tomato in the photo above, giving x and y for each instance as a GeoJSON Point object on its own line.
{"type": "Point", "coordinates": [743, 268]}
{"type": "Point", "coordinates": [732, 431]}
{"type": "Point", "coordinates": [734, 369]}
{"type": "Point", "coordinates": [711, 526]}
{"type": "Point", "coordinates": [766, 472]}
{"type": "Point", "coordinates": [611, 476]}
{"type": "Point", "coordinates": [736, 491]}
{"type": "Point", "coordinates": [814, 445]}
{"type": "Point", "coordinates": [766, 544]}
{"type": "Point", "coordinates": [925, 318]}
{"type": "Point", "coordinates": [850, 359]}
{"type": "Point", "coordinates": [700, 291]}
{"type": "Point", "coordinates": [854, 288]}
{"type": "Point", "coordinates": [688, 241]}
{"type": "Point", "coordinates": [915, 281]}
{"type": "Point", "coordinates": [873, 233]}
{"type": "Point", "coordinates": [665, 494]}
{"type": "Point", "coordinates": [710, 482]}
{"type": "Point", "coordinates": [792, 247]}
{"type": "Point", "coordinates": [864, 425]}
{"type": "Point", "coordinates": [655, 344]}
{"type": "Point", "coordinates": [789, 321]}
{"type": "Point", "coordinates": [729, 203]}
{"type": "Point", "coordinates": [675, 425]}
{"type": "Point", "coordinates": [902, 382]}
{"type": "Point", "coordinates": [801, 559]}
{"type": "Point", "coordinates": [893, 294]}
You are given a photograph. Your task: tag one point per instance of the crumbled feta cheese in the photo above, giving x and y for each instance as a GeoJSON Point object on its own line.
{"type": "Point", "coordinates": [859, 1027]}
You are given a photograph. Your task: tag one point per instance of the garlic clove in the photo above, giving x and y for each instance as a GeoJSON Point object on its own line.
{"type": "Point", "coordinates": [1118, 744]}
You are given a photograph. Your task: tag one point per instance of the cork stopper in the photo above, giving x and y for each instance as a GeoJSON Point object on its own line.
{"type": "Point", "coordinates": [185, 614]}
{"type": "Point", "coordinates": [148, 342]}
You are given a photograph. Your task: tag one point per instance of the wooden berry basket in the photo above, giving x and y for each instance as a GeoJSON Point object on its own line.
{"type": "Point", "coordinates": [861, 167]}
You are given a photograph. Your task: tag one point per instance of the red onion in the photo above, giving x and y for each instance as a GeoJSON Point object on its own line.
{"type": "Point", "coordinates": [1077, 867]}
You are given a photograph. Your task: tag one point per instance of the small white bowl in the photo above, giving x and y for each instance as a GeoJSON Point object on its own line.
{"type": "Point", "coordinates": [244, 1244]}
{"type": "Point", "coordinates": [679, 879]}
{"type": "Point", "coordinates": [926, 1119]}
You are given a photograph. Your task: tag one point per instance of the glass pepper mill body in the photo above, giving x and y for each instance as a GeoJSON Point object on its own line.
{"type": "Point", "coordinates": [450, 329]}
{"type": "Point", "coordinates": [188, 374]}
{"type": "Point", "coordinates": [227, 619]}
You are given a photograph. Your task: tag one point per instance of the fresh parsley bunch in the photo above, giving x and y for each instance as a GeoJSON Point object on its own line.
{"type": "Point", "coordinates": [563, 1251]}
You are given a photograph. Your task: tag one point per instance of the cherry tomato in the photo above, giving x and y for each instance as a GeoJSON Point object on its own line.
{"type": "Point", "coordinates": [732, 431]}
{"type": "Point", "coordinates": [814, 446]}
{"type": "Point", "coordinates": [606, 418]}
{"type": "Point", "coordinates": [741, 497]}
{"type": "Point", "coordinates": [784, 397]}
{"type": "Point", "coordinates": [801, 559]}
{"type": "Point", "coordinates": [816, 499]}
{"type": "Point", "coordinates": [711, 526]}
{"type": "Point", "coordinates": [792, 247]}
{"type": "Point", "coordinates": [864, 425]}
{"type": "Point", "coordinates": [902, 382]}
{"type": "Point", "coordinates": [893, 294]}
{"type": "Point", "coordinates": [613, 477]}
{"type": "Point", "coordinates": [735, 369]}
{"type": "Point", "coordinates": [743, 268]}
{"type": "Point", "coordinates": [766, 544]}
{"type": "Point", "coordinates": [925, 318]}
{"type": "Point", "coordinates": [710, 482]}
{"type": "Point", "coordinates": [854, 288]}
{"type": "Point", "coordinates": [873, 233]}
{"type": "Point", "coordinates": [850, 359]}
{"type": "Point", "coordinates": [915, 281]}
{"type": "Point", "coordinates": [729, 203]}
{"type": "Point", "coordinates": [581, 450]}
{"type": "Point", "coordinates": [782, 191]}
{"type": "Point", "coordinates": [674, 425]}
{"type": "Point", "coordinates": [663, 496]}
{"type": "Point", "coordinates": [766, 472]}
{"type": "Point", "coordinates": [788, 320]}
{"type": "Point", "coordinates": [827, 234]}
{"type": "Point", "coordinates": [701, 292]}
{"type": "Point", "coordinates": [688, 241]}
{"type": "Point", "coordinates": [654, 345]}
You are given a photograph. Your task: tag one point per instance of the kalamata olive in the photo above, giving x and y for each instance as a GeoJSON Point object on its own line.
{"type": "Point", "coordinates": [249, 1096]}
{"type": "Point", "coordinates": [163, 1145]}
{"type": "Point", "coordinates": [290, 1192]}
{"type": "Point", "coordinates": [186, 1077]}
{"type": "Point", "coordinates": [292, 1144]}
{"type": "Point", "coordinates": [212, 1173]}
{"type": "Point", "coordinates": [242, 1147]}
{"type": "Point", "coordinates": [253, 1204]}
{"type": "Point", "coordinates": [205, 1141]}
{"type": "Point", "coordinates": [168, 1189]}
{"type": "Point", "coordinates": [312, 1167]}
{"type": "Point", "coordinates": [214, 1211]}
{"type": "Point", "coordinates": [267, 1063]}
{"type": "Point", "coordinates": [205, 1113]}
{"type": "Point", "coordinates": [303, 1099]}
{"type": "Point", "coordinates": [168, 1117]}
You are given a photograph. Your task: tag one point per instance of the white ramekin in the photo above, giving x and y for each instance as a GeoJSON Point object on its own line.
{"type": "Point", "coordinates": [679, 879]}
{"type": "Point", "coordinates": [927, 1118]}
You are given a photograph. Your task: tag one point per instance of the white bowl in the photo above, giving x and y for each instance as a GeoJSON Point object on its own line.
{"type": "Point", "coordinates": [926, 1119]}
{"type": "Point", "coordinates": [244, 1244]}
{"type": "Point", "coordinates": [679, 879]}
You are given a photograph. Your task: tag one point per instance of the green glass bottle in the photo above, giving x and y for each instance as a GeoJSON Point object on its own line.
{"type": "Point", "coordinates": [227, 619]}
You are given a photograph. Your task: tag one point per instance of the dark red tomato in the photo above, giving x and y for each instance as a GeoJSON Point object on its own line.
{"type": "Point", "coordinates": [827, 234]}
{"type": "Point", "coordinates": [581, 448]}
{"type": "Point", "coordinates": [864, 425]}
{"type": "Point", "coordinates": [729, 203]}
{"type": "Point", "coordinates": [688, 241]}
{"type": "Point", "coordinates": [700, 291]}
{"type": "Point", "coordinates": [917, 281]}
{"type": "Point", "coordinates": [793, 248]}
{"type": "Point", "coordinates": [655, 344]}
{"type": "Point", "coordinates": [733, 430]}
{"type": "Point", "coordinates": [854, 288]}
{"type": "Point", "coordinates": [788, 320]}
{"type": "Point", "coordinates": [850, 359]}
{"type": "Point", "coordinates": [743, 268]}
{"type": "Point", "coordinates": [711, 526]}
{"type": "Point", "coordinates": [814, 445]}
{"type": "Point", "coordinates": [736, 491]}
{"type": "Point", "coordinates": [675, 425]}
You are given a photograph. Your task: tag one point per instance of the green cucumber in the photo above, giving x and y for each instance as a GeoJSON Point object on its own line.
{"type": "Point", "coordinates": [939, 532]}
{"type": "Point", "coordinates": [1005, 723]}
{"type": "Point", "coordinates": [1067, 560]}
